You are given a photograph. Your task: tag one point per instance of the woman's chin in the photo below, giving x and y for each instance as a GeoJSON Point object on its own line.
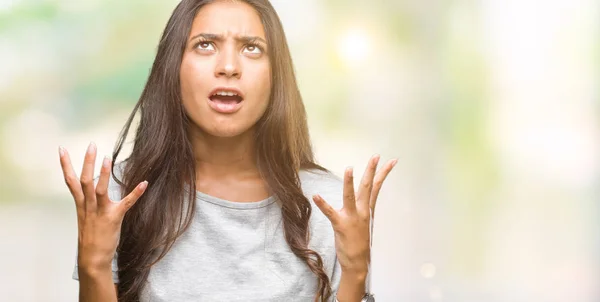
{"type": "Point", "coordinates": [225, 132]}
{"type": "Point", "coordinates": [220, 127]}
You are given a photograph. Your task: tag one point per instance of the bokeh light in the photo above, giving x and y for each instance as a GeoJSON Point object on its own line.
{"type": "Point", "coordinates": [354, 46]}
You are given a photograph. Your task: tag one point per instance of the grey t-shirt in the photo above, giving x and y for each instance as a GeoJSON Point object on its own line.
{"type": "Point", "coordinates": [236, 251]}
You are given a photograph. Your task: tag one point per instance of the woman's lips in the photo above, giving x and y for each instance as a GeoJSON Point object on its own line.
{"type": "Point", "coordinates": [225, 105]}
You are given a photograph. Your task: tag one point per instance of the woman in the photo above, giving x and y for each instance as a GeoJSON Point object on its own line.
{"type": "Point", "coordinates": [214, 198]}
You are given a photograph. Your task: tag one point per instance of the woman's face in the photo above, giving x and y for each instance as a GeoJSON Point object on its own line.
{"type": "Point", "coordinates": [225, 71]}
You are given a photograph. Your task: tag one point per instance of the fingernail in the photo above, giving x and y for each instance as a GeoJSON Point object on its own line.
{"type": "Point", "coordinates": [91, 147]}
{"type": "Point", "coordinates": [105, 162]}
{"type": "Point", "coordinates": [394, 162]}
{"type": "Point", "coordinates": [61, 151]}
{"type": "Point", "coordinates": [143, 185]}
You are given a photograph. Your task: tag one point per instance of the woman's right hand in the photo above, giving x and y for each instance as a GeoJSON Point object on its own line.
{"type": "Point", "coordinates": [98, 218]}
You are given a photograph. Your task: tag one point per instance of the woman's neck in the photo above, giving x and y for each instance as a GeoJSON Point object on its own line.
{"type": "Point", "coordinates": [217, 157]}
{"type": "Point", "coordinates": [226, 167]}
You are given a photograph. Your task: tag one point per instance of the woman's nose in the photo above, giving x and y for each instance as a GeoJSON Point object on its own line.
{"type": "Point", "coordinates": [228, 65]}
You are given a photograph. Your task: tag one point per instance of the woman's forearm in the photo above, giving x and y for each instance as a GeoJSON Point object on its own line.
{"type": "Point", "coordinates": [96, 285]}
{"type": "Point", "coordinates": [352, 286]}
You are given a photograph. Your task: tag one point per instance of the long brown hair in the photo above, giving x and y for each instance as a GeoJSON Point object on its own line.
{"type": "Point", "coordinates": [162, 154]}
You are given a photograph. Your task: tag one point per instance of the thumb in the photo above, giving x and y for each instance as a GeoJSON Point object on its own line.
{"type": "Point", "coordinates": [133, 197]}
{"type": "Point", "coordinates": [327, 210]}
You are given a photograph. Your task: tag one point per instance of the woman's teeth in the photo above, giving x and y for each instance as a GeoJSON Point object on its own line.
{"type": "Point", "coordinates": [225, 93]}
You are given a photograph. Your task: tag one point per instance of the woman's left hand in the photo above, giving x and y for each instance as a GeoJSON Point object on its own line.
{"type": "Point", "coordinates": [352, 223]}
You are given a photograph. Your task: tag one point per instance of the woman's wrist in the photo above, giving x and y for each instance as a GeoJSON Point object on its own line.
{"type": "Point", "coordinates": [352, 286]}
{"type": "Point", "coordinates": [356, 274]}
{"type": "Point", "coordinates": [94, 257]}
{"type": "Point", "coordinates": [94, 272]}
{"type": "Point", "coordinates": [357, 269]}
{"type": "Point", "coordinates": [93, 264]}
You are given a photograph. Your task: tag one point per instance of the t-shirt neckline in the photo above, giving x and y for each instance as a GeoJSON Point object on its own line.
{"type": "Point", "coordinates": [234, 204]}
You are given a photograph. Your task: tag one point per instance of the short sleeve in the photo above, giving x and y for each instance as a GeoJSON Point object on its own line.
{"type": "Point", "coordinates": [335, 280]}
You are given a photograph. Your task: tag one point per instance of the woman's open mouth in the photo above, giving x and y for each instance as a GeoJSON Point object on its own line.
{"type": "Point", "coordinates": [226, 100]}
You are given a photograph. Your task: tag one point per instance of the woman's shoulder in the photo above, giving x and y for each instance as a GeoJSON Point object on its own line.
{"type": "Point", "coordinates": [330, 187]}
{"type": "Point", "coordinates": [114, 188]}
{"type": "Point", "coordinates": [319, 177]}
{"type": "Point", "coordinates": [324, 183]}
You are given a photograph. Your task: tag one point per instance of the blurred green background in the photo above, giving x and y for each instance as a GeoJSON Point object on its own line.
{"type": "Point", "coordinates": [492, 108]}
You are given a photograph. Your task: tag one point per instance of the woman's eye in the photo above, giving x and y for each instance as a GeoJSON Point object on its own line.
{"type": "Point", "coordinates": [205, 46]}
{"type": "Point", "coordinates": [253, 49]}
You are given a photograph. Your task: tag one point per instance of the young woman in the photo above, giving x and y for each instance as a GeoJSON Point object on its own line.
{"type": "Point", "coordinates": [214, 202]}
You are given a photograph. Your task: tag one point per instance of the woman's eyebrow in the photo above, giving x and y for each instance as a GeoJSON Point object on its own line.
{"type": "Point", "coordinates": [251, 39]}
{"type": "Point", "coordinates": [215, 37]}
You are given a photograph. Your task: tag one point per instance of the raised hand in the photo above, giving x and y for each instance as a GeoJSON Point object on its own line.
{"type": "Point", "coordinates": [352, 223]}
{"type": "Point", "coordinates": [98, 218]}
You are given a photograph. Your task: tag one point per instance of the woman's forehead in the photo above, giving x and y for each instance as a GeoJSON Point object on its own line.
{"type": "Point", "coordinates": [229, 19]}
